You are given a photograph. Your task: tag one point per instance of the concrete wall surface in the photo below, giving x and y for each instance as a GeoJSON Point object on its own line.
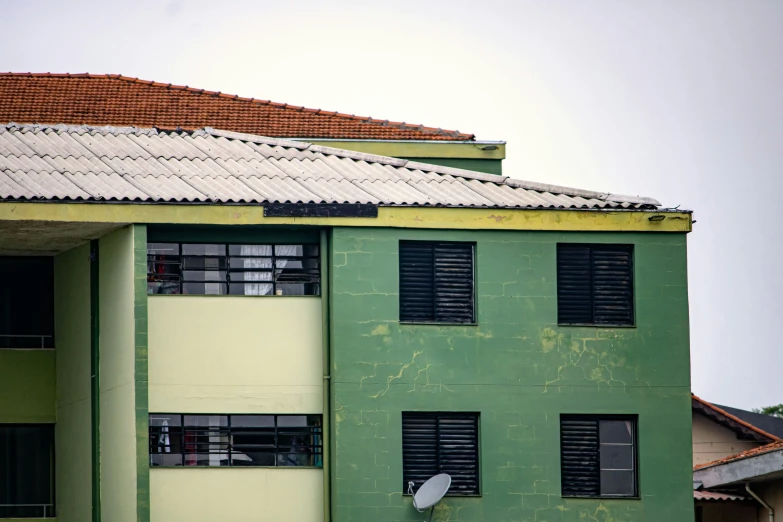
{"type": "Point", "coordinates": [73, 436]}
{"type": "Point", "coordinates": [711, 441]}
{"type": "Point", "coordinates": [518, 368]}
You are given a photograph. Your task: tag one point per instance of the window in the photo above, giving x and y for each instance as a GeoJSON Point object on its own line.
{"type": "Point", "coordinates": [598, 456]}
{"type": "Point", "coordinates": [235, 440]}
{"type": "Point", "coordinates": [434, 443]}
{"type": "Point", "coordinates": [436, 282]}
{"type": "Point", "coordinates": [27, 302]}
{"type": "Point", "coordinates": [595, 284]}
{"type": "Point", "coordinates": [26, 471]}
{"type": "Point", "coordinates": [219, 269]}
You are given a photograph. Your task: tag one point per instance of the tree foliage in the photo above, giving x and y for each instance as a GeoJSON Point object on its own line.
{"type": "Point", "coordinates": [775, 411]}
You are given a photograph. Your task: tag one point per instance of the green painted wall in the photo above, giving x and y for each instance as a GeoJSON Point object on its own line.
{"type": "Point", "coordinates": [517, 368]}
{"type": "Point", "coordinates": [72, 432]}
{"type": "Point", "coordinates": [490, 166]}
{"type": "Point", "coordinates": [117, 377]}
{"type": "Point", "coordinates": [27, 391]}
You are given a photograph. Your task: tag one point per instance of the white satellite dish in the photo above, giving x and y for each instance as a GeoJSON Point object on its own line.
{"type": "Point", "coordinates": [430, 492]}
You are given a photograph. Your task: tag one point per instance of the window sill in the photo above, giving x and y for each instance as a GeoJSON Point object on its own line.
{"type": "Point", "coordinates": [29, 350]}
{"type": "Point", "coordinates": [602, 325]}
{"type": "Point", "coordinates": [235, 467]}
{"type": "Point", "coordinates": [426, 323]}
{"type": "Point", "coordinates": [230, 295]}
{"type": "Point", "coordinates": [600, 497]}
{"type": "Point", "coordinates": [476, 495]}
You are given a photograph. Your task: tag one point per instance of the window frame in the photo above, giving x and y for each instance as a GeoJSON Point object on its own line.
{"type": "Point", "coordinates": [475, 417]}
{"type": "Point", "coordinates": [474, 284]}
{"type": "Point", "coordinates": [634, 419]}
{"type": "Point", "coordinates": [631, 247]}
{"type": "Point", "coordinates": [316, 450]}
{"type": "Point", "coordinates": [227, 256]}
{"type": "Point", "coordinates": [51, 508]}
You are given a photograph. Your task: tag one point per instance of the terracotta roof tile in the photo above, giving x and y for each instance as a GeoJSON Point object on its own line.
{"type": "Point", "coordinates": [775, 446]}
{"type": "Point", "coordinates": [715, 495]}
{"type": "Point", "coordinates": [112, 99]}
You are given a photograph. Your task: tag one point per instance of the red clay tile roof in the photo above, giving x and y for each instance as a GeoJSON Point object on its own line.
{"type": "Point", "coordinates": [733, 418]}
{"type": "Point", "coordinates": [715, 495]}
{"type": "Point", "coordinates": [112, 99]}
{"type": "Point", "coordinates": [775, 446]}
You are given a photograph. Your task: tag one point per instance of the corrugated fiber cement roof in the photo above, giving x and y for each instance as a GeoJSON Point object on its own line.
{"type": "Point", "coordinates": [80, 163]}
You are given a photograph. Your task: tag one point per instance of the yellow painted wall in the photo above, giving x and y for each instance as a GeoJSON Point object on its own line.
{"type": "Point", "coordinates": [117, 354]}
{"type": "Point", "coordinates": [236, 495]}
{"type": "Point", "coordinates": [222, 354]}
{"type": "Point", "coordinates": [27, 389]}
{"type": "Point", "coordinates": [711, 441]}
{"type": "Point", "coordinates": [73, 478]}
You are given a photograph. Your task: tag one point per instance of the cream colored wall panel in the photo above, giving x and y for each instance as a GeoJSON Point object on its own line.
{"type": "Point", "coordinates": [223, 354]}
{"type": "Point", "coordinates": [73, 434]}
{"type": "Point", "coordinates": [711, 441]}
{"type": "Point", "coordinates": [236, 494]}
{"type": "Point", "coordinates": [235, 399]}
{"type": "Point", "coordinates": [117, 367]}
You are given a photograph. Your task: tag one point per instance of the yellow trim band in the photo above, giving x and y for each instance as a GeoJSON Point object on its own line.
{"type": "Point", "coordinates": [397, 217]}
{"type": "Point", "coordinates": [397, 149]}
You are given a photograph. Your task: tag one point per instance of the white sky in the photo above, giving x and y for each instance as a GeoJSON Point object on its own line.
{"type": "Point", "coordinates": [678, 100]}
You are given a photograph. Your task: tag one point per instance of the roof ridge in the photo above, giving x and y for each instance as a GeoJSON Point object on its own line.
{"type": "Point", "coordinates": [285, 106]}
{"type": "Point", "coordinates": [736, 419]}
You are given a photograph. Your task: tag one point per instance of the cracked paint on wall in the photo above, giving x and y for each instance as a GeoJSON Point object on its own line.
{"type": "Point", "coordinates": [517, 368]}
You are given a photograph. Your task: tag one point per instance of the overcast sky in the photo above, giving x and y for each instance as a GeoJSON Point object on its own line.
{"type": "Point", "coordinates": [678, 100]}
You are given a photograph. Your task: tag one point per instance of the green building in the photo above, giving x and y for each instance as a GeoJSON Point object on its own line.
{"type": "Point", "coordinates": [206, 325]}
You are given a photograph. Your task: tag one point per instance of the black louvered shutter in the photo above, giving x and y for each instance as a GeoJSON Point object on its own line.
{"type": "Point", "coordinates": [436, 282]}
{"type": "Point", "coordinates": [434, 443]}
{"type": "Point", "coordinates": [417, 282]}
{"type": "Point", "coordinates": [579, 454]}
{"type": "Point", "coordinates": [595, 284]}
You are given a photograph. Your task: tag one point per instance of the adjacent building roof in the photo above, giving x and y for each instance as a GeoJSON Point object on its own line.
{"type": "Point", "coordinates": [744, 429]}
{"type": "Point", "coordinates": [714, 495]}
{"type": "Point", "coordinates": [768, 423]}
{"type": "Point", "coordinates": [211, 166]}
{"type": "Point", "coordinates": [761, 450]}
{"type": "Point", "coordinates": [112, 99]}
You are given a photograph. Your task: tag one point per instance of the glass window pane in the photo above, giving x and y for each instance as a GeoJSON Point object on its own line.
{"type": "Point", "coordinates": [25, 470]}
{"type": "Point", "coordinates": [297, 289]}
{"type": "Point", "coordinates": [250, 276]}
{"type": "Point", "coordinates": [616, 431]}
{"type": "Point", "coordinates": [27, 302]}
{"type": "Point", "coordinates": [163, 287]}
{"type": "Point", "coordinates": [288, 250]}
{"type": "Point", "coordinates": [310, 250]}
{"type": "Point", "coordinates": [164, 249]}
{"type": "Point", "coordinates": [204, 263]}
{"type": "Point", "coordinates": [616, 456]}
{"type": "Point", "coordinates": [291, 420]}
{"type": "Point", "coordinates": [208, 275]}
{"type": "Point", "coordinates": [250, 250]}
{"type": "Point", "coordinates": [250, 288]}
{"type": "Point", "coordinates": [250, 263]}
{"type": "Point", "coordinates": [253, 421]}
{"type": "Point", "coordinates": [294, 458]}
{"type": "Point", "coordinates": [204, 250]}
{"type": "Point", "coordinates": [206, 420]}
{"type": "Point", "coordinates": [619, 483]}
{"type": "Point", "coordinates": [204, 288]}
